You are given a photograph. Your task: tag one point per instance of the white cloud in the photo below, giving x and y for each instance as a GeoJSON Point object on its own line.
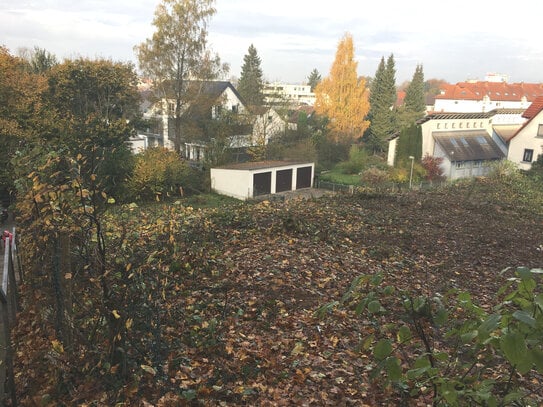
{"type": "Point", "coordinates": [451, 40]}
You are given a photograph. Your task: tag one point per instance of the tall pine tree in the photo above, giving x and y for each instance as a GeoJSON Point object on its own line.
{"type": "Point", "coordinates": [313, 79]}
{"type": "Point", "coordinates": [414, 106]}
{"type": "Point", "coordinates": [251, 84]}
{"type": "Point", "coordinates": [414, 94]}
{"type": "Point", "coordinates": [382, 115]}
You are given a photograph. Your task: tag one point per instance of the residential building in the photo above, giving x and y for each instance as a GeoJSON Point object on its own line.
{"type": "Point", "coordinates": [268, 124]}
{"type": "Point", "coordinates": [526, 144]}
{"type": "Point", "coordinates": [212, 99]}
{"type": "Point", "coordinates": [280, 93]}
{"type": "Point", "coordinates": [468, 143]}
{"type": "Point", "coordinates": [476, 96]}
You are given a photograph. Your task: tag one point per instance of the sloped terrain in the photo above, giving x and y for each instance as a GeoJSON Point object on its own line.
{"type": "Point", "coordinates": [241, 325]}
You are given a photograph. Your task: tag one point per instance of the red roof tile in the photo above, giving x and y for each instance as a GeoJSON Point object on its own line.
{"type": "Point", "coordinates": [498, 91]}
{"type": "Point", "coordinates": [534, 108]}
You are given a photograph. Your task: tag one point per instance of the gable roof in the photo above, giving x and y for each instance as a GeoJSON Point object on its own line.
{"type": "Point", "coordinates": [209, 89]}
{"type": "Point", "coordinates": [497, 91]}
{"type": "Point", "coordinates": [468, 145]}
{"type": "Point", "coordinates": [217, 88]}
{"type": "Point", "coordinates": [534, 108]}
{"type": "Point", "coordinates": [531, 113]}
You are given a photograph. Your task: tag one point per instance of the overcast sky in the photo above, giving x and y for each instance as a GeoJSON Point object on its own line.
{"type": "Point", "coordinates": [455, 41]}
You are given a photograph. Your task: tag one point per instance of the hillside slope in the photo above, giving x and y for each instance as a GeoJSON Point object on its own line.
{"type": "Point", "coordinates": [239, 325]}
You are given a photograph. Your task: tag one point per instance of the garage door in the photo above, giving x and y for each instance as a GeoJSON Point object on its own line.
{"type": "Point", "coordinates": [262, 183]}
{"type": "Point", "coordinates": [283, 181]}
{"type": "Point", "coordinates": [303, 177]}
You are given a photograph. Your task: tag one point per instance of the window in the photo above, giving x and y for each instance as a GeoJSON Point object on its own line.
{"type": "Point", "coordinates": [460, 125]}
{"type": "Point", "coordinates": [217, 112]}
{"type": "Point", "coordinates": [528, 155]}
{"type": "Point", "coordinates": [540, 131]}
{"type": "Point", "coordinates": [452, 125]}
{"type": "Point", "coordinates": [481, 140]}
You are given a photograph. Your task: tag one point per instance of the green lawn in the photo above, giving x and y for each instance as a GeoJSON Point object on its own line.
{"type": "Point", "coordinates": [338, 177]}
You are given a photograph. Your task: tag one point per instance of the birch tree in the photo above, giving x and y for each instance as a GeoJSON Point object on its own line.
{"type": "Point", "coordinates": [177, 53]}
{"type": "Point", "coordinates": [343, 96]}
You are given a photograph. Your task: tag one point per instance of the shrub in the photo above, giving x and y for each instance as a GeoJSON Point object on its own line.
{"type": "Point", "coordinates": [158, 173]}
{"type": "Point", "coordinates": [448, 348]}
{"type": "Point", "coordinates": [432, 165]}
{"type": "Point", "coordinates": [504, 169]}
{"type": "Point", "coordinates": [358, 158]}
{"type": "Point", "coordinates": [375, 177]}
{"type": "Point", "coordinates": [536, 172]}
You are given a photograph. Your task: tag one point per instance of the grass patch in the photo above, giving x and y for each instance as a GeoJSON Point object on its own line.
{"type": "Point", "coordinates": [338, 177]}
{"type": "Point", "coordinates": [208, 200]}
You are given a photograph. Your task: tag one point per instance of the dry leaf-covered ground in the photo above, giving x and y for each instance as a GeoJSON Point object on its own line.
{"type": "Point", "coordinates": [251, 336]}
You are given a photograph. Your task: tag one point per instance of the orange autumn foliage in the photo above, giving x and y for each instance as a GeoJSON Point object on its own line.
{"type": "Point", "coordinates": [343, 96]}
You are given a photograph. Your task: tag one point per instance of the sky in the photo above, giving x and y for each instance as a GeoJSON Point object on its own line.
{"type": "Point", "coordinates": [454, 41]}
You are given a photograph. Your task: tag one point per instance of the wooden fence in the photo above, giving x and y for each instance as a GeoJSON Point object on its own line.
{"type": "Point", "coordinates": [8, 309]}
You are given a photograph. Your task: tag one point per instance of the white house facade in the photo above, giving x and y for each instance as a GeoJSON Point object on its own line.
{"type": "Point", "coordinates": [282, 92]}
{"type": "Point", "coordinates": [468, 143]}
{"type": "Point", "coordinates": [223, 96]}
{"type": "Point", "coordinates": [526, 145]}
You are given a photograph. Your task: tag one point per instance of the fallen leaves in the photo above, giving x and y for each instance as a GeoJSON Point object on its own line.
{"type": "Point", "coordinates": [239, 324]}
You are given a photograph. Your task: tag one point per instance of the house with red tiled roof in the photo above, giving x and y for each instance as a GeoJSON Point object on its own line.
{"type": "Point", "coordinates": [526, 144]}
{"type": "Point", "coordinates": [485, 96]}
{"type": "Point", "coordinates": [468, 142]}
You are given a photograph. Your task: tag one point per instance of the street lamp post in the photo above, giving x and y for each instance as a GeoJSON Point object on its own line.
{"type": "Point", "coordinates": [411, 173]}
{"type": "Point", "coordinates": [451, 167]}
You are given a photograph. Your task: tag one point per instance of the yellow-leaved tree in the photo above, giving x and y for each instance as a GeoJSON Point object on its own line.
{"type": "Point", "coordinates": [343, 96]}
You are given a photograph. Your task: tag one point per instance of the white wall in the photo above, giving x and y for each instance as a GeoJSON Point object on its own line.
{"type": "Point", "coordinates": [526, 139]}
{"type": "Point", "coordinates": [473, 106]}
{"type": "Point", "coordinates": [238, 183]}
{"type": "Point", "coordinates": [267, 126]}
{"type": "Point", "coordinates": [441, 125]}
{"type": "Point", "coordinates": [299, 94]}
{"type": "Point", "coordinates": [391, 157]}
{"type": "Point", "coordinates": [235, 183]}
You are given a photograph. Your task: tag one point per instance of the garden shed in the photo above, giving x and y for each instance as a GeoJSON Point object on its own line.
{"type": "Point", "coordinates": [253, 179]}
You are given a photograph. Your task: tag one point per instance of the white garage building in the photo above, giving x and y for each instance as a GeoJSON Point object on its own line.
{"type": "Point", "coordinates": [252, 179]}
